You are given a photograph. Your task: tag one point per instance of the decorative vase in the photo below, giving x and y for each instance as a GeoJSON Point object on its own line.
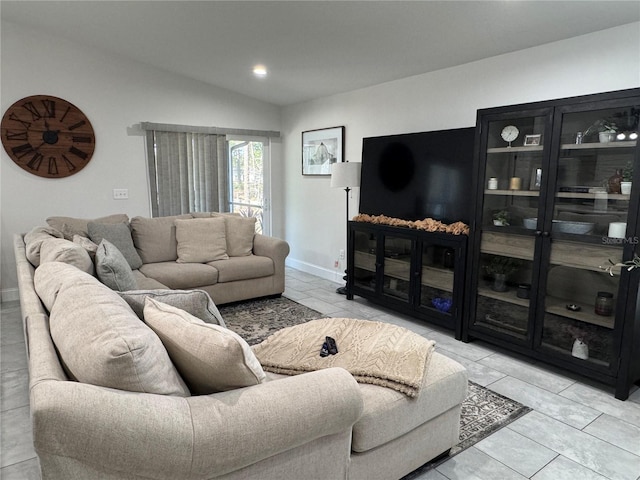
{"type": "Point", "coordinates": [614, 182]}
{"type": "Point", "coordinates": [625, 188]}
{"type": "Point", "coordinates": [580, 349]}
{"type": "Point", "coordinates": [499, 282]}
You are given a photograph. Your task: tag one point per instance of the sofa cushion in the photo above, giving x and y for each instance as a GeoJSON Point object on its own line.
{"type": "Point", "coordinates": [61, 250]}
{"type": "Point", "coordinates": [239, 232]}
{"type": "Point", "coordinates": [181, 275]}
{"type": "Point", "coordinates": [201, 240]}
{"type": "Point", "coordinates": [389, 414]}
{"type": "Point", "coordinates": [98, 337]}
{"type": "Point", "coordinates": [195, 302]}
{"type": "Point", "coordinates": [119, 234]}
{"type": "Point", "coordinates": [243, 268]}
{"type": "Point", "coordinates": [209, 357]}
{"type": "Point", "coordinates": [155, 238]}
{"type": "Point", "coordinates": [113, 269]}
{"type": "Point", "coordinates": [71, 226]}
{"type": "Point", "coordinates": [147, 283]}
{"type": "Point", "coordinates": [33, 241]}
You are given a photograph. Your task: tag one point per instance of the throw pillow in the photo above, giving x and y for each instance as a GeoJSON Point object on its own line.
{"type": "Point", "coordinates": [195, 302]}
{"type": "Point", "coordinates": [99, 339]}
{"type": "Point", "coordinates": [71, 226]}
{"type": "Point", "coordinates": [240, 232]}
{"type": "Point", "coordinates": [201, 240]}
{"type": "Point", "coordinates": [113, 269]}
{"type": "Point", "coordinates": [155, 238]}
{"type": "Point", "coordinates": [33, 241]}
{"type": "Point", "coordinates": [209, 357]}
{"type": "Point", "coordinates": [61, 250]}
{"type": "Point", "coordinates": [119, 234]}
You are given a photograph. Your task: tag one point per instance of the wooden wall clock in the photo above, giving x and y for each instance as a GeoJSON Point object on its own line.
{"type": "Point", "coordinates": [47, 136]}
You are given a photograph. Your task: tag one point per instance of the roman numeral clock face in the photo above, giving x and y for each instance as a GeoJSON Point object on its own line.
{"type": "Point", "coordinates": [47, 136]}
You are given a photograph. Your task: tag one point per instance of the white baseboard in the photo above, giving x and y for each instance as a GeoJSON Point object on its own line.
{"type": "Point", "coordinates": [9, 295]}
{"type": "Point", "coordinates": [326, 273]}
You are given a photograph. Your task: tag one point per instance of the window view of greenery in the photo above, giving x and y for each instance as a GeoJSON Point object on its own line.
{"type": "Point", "coordinates": [246, 170]}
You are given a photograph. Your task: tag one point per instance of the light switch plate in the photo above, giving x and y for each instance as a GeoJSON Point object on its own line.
{"type": "Point", "coordinates": [120, 193]}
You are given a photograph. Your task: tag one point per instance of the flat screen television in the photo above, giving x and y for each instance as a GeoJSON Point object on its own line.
{"type": "Point", "coordinates": [418, 175]}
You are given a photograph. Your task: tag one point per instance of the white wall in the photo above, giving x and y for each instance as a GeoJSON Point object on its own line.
{"type": "Point", "coordinates": [315, 213]}
{"type": "Point", "coordinates": [115, 94]}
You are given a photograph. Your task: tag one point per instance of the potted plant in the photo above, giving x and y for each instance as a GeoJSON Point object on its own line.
{"type": "Point", "coordinates": [627, 176]}
{"type": "Point", "coordinates": [500, 268]}
{"type": "Point", "coordinates": [606, 130]}
{"type": "Point", "coordinates": [501, 218]}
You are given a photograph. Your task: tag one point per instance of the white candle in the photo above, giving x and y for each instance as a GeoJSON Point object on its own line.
{"type": "Point", "coordinates": [617, 229]}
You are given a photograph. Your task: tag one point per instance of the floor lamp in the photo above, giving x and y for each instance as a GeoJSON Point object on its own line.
{"type": "Point", "coordinates": [345, 175]}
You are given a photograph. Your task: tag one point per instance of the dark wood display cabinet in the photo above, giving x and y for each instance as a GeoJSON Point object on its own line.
{"type": "Point", "coordinates": [551, 211]}
{"type": "Point", "coordinates": [412, 271]}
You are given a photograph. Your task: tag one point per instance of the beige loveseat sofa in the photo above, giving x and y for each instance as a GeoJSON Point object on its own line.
{"type": "Point", "coordinates": [218, 253]}
{"type": "Point", "coordinates": [109, 402]}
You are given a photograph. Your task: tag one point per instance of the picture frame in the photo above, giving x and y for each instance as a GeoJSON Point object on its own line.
{"type": "Point", "coordinates": [320, 149]}
{"type": "Point", "coordinates": [532, 140]}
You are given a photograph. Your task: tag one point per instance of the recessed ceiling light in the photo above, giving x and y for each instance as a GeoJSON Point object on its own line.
{"type": "Point", "coordinates": [260, 71]}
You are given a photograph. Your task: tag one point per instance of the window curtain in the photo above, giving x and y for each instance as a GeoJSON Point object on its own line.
{"type": "Point", "coordinates": [188, 172]}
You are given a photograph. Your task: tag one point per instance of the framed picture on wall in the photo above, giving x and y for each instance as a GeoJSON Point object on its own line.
{"type": "Point", "coordinates": [320, 149]}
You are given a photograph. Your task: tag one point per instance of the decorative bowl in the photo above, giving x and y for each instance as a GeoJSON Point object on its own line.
{"type": "Point", "coordinates": [563, 226]}
{"type": "Point", "coordinates": [442, 304]}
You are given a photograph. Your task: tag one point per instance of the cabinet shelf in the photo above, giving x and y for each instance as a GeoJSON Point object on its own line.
{"type": "Point", "coordinates": [558, 306]}
{"type": "Point", "coordinates": [598, 146]}
{"type": "Point", "coordinates": [534, 148]}
{"type": "Point", "coordinates": [593, 195]}
{"type": "Point", "coordinates": [556, 349]}
{"type": "Point", "coordinates": [437, 278]}
{"type": "Point", "coordinates": [515, 193]}
{"type": "Point", "coordinates": [508, 296]}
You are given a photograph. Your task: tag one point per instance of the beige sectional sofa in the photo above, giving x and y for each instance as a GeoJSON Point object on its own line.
{"type": "Point", "coordinates": [114, 397]}
{"type": "Point", "coordinates": [218, 253]}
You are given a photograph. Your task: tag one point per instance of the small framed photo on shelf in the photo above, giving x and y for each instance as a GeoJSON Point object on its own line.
{"type": "Point", "coordinates": [320, 149]}
{"type": "Point", "coordinates": [532, 140]}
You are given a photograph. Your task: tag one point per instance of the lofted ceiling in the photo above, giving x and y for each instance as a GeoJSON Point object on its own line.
{"type": "Point", "coordinates": [314, 48]}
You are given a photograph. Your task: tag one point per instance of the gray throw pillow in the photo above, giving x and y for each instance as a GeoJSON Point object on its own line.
{"type": "Point", "coordinates": [195, 302]}
{"type": "Point", "coordinates": [119, 234]}
{"type": "Point", "coordinates": [112, 268]}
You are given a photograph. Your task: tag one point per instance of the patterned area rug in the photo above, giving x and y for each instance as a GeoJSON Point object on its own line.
{"type": "Point", "coordinates": [483, 411]}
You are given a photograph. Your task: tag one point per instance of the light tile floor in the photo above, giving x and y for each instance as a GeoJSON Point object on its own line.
{"type": "Point", "coordinates": [577, 429]}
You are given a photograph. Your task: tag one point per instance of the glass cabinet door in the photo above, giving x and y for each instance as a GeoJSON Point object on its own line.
{"type": "Point", "coordinates": [396, 277]}
{"type": "Point", "coordinates": [587, 229]}
{"type": "Point", "coordinates": [515, 150]}
{"type": "Point", "coordinates": [364, 260]}
{"type": "Point", "coordinates": [437, 278]}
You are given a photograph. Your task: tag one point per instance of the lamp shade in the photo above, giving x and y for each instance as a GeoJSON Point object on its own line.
{"type": "Point", "coordinates": [345, 174]}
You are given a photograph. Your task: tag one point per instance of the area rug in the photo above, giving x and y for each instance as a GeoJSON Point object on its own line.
{"type": "Point", "coordinates": [483, 411]}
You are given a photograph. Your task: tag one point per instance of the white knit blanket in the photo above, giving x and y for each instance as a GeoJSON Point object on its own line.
{"type": "Point", "coordinates": [373, 352]}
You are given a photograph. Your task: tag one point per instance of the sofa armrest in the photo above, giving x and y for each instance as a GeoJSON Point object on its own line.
{"type": "Point", "coordinates": [167, 437]}
{"type": "Point", "coordinates": [276, 249]}
{"type": "Point", "coordinates": [272, 247]}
